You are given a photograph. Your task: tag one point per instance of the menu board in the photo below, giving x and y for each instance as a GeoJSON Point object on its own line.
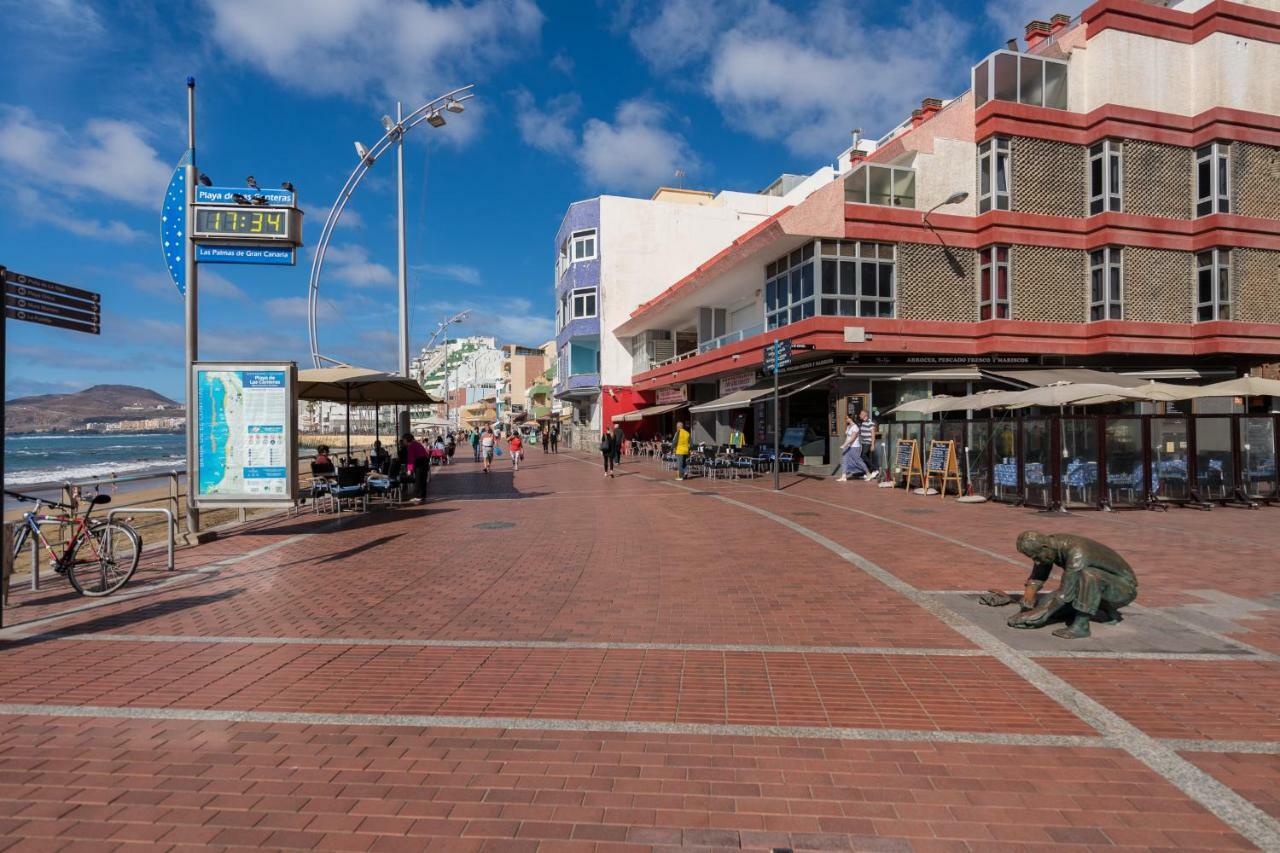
{"type": "Point", "coordinates": [906, 448]}
{"type": "Point", "coordinates": [246, 444]}
{"type": "Point", "coordinates": [939, 456]}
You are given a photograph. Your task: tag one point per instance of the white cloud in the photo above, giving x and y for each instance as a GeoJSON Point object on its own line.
{"type": "Point", "coordinates": [390, 48]}
{"type": "Point", "coordinates": [456, 272]}
{"type": "Point", "coordinates": [808, 74]}
{"type": "Point", "coordinates": [351, 264]}
{"type": "Point", "coordinates": [211, 284]}
{"type": "Point", "coordinates": [514, 322]}
{"type": "Point", "coordinates": [287, 308]}
{"type": "Point", "coordinates": [547, 129]}
{"type": "Point", "coordinates": [215, 284]}
{"type": "Point", "coordinates": [108, 160]}
{"type": "Point", "coordinates": [635, 152]}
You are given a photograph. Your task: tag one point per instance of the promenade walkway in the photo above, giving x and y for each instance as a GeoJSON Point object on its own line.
{"type": "Point", "coordinates": [554, 660]}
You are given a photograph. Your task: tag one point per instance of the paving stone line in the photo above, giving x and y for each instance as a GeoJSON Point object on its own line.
{"type": "Point", "coordinates": [1231, 808]}
{"type": "Point", "coordinates": [522, 644]}
{"type": "Point", "coordinates": [549, 724]}
{"type": "Point", "coordinates": [1250, 747]}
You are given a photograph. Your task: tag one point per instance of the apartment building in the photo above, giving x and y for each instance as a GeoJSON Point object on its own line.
{"type": "Point", "coordinates": [521, 366]}
{"type": "Point", "coordinates": [1106, 196]}
{"type": "Point", "coordinates": [613, 252]}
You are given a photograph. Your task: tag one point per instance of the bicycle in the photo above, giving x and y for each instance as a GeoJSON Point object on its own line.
{"type": "Point", "coordinates": [97, 559]}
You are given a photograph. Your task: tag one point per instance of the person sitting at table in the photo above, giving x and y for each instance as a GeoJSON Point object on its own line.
{"type": "Point", "coordinates": [379, 458]}
{"type": "Point", "coordinates": [322, 459]}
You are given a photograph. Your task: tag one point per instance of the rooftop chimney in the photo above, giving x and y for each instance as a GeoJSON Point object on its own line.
{"type": "Point", "coordinates": [929, 107]}
{"type": "Point", "coordinates": [917, 118]}
{"type": "Point", "coordinates": [1037, 31]}
{"type": "Point", "coordinates": [1058, 23]}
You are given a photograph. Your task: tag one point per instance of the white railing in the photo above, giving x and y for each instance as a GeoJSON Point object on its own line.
{"type": "Point", "coordinates": [731, 338]}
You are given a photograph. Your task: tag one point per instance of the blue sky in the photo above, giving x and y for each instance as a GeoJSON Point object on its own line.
{"type": "Point", "coordinates": [573, 99]}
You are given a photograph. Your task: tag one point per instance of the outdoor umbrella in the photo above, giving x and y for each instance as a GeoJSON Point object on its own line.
{"type": "Point", "coordinates": [1067, 394]}
{"type": "Point", "coordinates": [1156, 392]}
{"type": "Point", "coordinates": [1245, 386]}
{"type": "Point", "coordinates": [926, 406]}
{"type": "Point", "coordinates": [360, 385]}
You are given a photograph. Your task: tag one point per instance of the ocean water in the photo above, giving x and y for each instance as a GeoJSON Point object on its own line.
{"type": "Point", "coordinates": [30, 459]}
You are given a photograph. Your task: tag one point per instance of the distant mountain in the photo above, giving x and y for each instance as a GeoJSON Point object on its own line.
{"type": "Point", "coordinates": [101, 403]}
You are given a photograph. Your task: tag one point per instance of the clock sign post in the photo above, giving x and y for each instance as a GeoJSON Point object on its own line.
{"type": "Point", "coordinates": [204, 224]}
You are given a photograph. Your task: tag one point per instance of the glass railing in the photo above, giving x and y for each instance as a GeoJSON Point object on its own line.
{"type": "Point", "coordinates": [890, 186]}
{"type": "Point", "coordinates": [731, 338]}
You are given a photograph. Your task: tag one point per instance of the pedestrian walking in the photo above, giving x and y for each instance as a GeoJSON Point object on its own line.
{"type": "Point", "coordinates": [618, 438]}
{"type": "Point", "coordinates": [475, 444]}
{"type": "Point", "coordinates": [487, 445]}
{"type": "Point", "coordinates": [555, 438]}
{"type": "Point", "coordinates": [606, 452]}
{"type": "Point", "coordinates": [680, 443]}
{"type": "Point", "coordinates": [867, 435]}
{"type": "Point", "coordinates": [515, 444]}
{"type": "Point", "coordinates": [419, 462]}
{"type": "Point", "coordinates": [546, 439]}
{"type": "Point", "coordinates": [851, 451]}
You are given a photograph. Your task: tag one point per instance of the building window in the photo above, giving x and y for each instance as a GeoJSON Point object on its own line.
{"type": "Point", "coordinates": [788, 288]}
{"type": "Point", "coordinates": [1010, 76]}
{"type": "Point", "coordinates": [857, 279]}
{"type": "Point", "coordinates": [1105, 176]}
{"type": "Point", "coordinates": [584, 245]}
{"type": "Point", "coordinates": [890, 186]}
{"type": "Point", "coordinates": [994, 287]}
{"type": "Point", "coordinates": [584, 303]}
{"type": "Point", "coordinates": [1106, 284]}
{"type": "Point", "coordinates": [1213, 285]}
{"type": "Point", "coordinates": [1213, 179]}
{"type": "Point", "coordinates": [993, 174]}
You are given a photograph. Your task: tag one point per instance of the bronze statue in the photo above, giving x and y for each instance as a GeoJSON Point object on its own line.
{"type": "Point", "coordinates": [1094, 579]}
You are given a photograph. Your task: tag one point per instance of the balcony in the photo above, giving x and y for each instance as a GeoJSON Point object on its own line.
{"type": "Point", "coordinates": [887, 186]}
{"type": "Point", "coordinates": [723, 340]}
{"type": "Point", "coordinates": [1021, 78]}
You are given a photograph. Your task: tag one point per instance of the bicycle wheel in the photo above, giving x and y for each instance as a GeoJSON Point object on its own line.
{"type": "Point", "coordinates": [104, 559]}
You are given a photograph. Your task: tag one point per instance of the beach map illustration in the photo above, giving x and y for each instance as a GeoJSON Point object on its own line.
{"type": "Point", "coordinates": [242, 418]}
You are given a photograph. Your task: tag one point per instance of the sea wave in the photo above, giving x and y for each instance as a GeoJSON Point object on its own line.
{"type": "Point", "coordinates": [90, 472]}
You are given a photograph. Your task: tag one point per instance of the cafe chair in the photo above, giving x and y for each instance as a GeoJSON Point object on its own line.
{"type": "Point", "coordinates": [350, 486]}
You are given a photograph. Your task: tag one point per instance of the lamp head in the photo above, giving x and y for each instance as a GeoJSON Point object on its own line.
{"type": "Point", "coordinates": [435, 119]}
{"type": "Point", "coordinates": [956, 197]}
{"type": "Point", "coordinates": [387, 123]}
{"type": "Point", "coordinates": [455, 106]}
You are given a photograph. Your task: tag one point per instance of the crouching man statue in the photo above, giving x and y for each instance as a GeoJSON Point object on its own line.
{"type": "Point", "coordinates": [1095, 580]}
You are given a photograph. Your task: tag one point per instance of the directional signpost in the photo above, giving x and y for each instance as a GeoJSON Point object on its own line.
{"type": "Point", "coordinates": [777, 356]}
{"type": "Point", "coordinates": [48, 303]}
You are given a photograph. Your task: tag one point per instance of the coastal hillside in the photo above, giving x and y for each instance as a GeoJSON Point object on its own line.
{"type": "Point", "coordinates": [101, 404]}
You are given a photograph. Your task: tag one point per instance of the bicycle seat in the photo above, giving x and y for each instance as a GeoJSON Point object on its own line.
{"type": "Point", "coordinates": [101, 499]}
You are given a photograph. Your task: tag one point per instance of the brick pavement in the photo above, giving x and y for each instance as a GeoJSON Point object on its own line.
{"type": "Point", "coordinates": [671, 670]}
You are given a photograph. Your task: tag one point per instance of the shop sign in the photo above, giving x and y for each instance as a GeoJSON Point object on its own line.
{"type": "Point", "coordinates": [674, 394]}
{"type": "Point", "coordinates": [945, 360]}
{"type": "Point", "coordinates": [737, 382]}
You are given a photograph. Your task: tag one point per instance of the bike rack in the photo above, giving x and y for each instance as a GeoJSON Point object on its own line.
{"type": "Point", "coordinates": [167, 513]}
{"type": "Point", "coordinates": [35, 544]}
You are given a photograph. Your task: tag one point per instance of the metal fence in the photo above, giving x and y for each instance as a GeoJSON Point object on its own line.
{"type": "Point", "coordinates": [1108, 461]}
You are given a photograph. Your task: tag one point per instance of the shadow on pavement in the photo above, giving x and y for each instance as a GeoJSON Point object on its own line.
{"type": "Point", "coordinates": [129, 617]}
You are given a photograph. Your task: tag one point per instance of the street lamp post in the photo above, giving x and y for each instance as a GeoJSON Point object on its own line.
{"type": "Point", "coordinates": [432, 113]}
{"type": "Point", "coordinates": [443, 327]}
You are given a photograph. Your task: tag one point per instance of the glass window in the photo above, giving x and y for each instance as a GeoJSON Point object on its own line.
{"type": "Point", "coordinates": [1213, 285]}
{"type": "Point", "coordinates": [994, 283]}
{"type": "Point", "coordinates": [980, 96]}
{"type": "Point", "coordinates": [1055, 85]}
{"type": "Point", "coordinates": [1106, 301]}
{"type": "Point", "coordinates": [584, 245]}
{"type": "Point", "coordinates": [1031, 81]}
{"type": "Point", "coordinates": [993, 174]}
{"type": "Point", "coordinates": [1010, 76]}
{"type": "Point", "coordinates": [584, 303]}
{"type": "Point", "coordinates": [872, 183]}
{"type": "Point", "coordinates": [1213, 179]}
{"type": "Point", "coordinates": [1005, 84]}
{"type": "Point", "coordinates": [1105, 163]}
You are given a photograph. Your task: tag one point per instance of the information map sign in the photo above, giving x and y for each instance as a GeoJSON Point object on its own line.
{"type": "Point", "coordinates": [247, 441]}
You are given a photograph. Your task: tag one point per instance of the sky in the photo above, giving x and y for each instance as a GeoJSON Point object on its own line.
{"type": "Point", "coordinates": [574, 98]}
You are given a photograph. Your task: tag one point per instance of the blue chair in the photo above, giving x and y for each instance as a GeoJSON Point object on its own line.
{"type": "Point", "coordinates": [350, 486]}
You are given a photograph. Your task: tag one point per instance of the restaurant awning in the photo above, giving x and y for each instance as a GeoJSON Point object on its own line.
{"type": "Point", "coordinates": [764, 388]}
{"type": "Point", "coordinates": [1058, 375]}
{"type": "Point", "coordinates": [652, 411]}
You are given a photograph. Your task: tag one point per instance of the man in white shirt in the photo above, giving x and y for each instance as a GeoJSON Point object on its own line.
{"type": "Point", "coordinates": [867, 436]}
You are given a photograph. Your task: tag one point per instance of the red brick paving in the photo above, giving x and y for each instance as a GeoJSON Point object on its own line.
{"type": "Point", "coordinates": [1219, 700]}
{"type": "Point", "coordinates": [629, 561]}
{"type": "Point", "coordinates": [296, 786]}
{"type": "Point", "coordinates": [875, 691]}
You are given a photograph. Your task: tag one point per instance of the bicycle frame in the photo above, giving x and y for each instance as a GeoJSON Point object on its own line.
{"type": "Point", "coordinates": [31, 524]}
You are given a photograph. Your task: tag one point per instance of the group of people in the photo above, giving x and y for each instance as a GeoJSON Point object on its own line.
{"type": "Point", "coordinates": [857, 453]}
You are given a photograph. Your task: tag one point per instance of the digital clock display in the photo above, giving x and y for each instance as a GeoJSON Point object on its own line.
{"type": "Point", "coordinates": [242, 222]}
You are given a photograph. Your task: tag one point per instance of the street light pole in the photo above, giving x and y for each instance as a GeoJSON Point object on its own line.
{"type": "Point", "coordinates": [191, 307]}
{"type": "Point", "coordinates": [404, 265]}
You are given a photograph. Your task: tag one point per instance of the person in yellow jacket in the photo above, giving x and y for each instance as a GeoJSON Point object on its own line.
{"type": "Point", "coordinates": [681, 448]}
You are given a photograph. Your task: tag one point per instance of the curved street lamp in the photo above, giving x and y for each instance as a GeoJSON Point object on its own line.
{"type": "Point", "coordinates": [432, 113]}
{"type": "Point", "coordinates": [444, 324]}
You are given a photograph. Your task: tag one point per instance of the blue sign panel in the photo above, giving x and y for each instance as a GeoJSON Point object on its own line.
{"type": "Point", "coordinates": [226, 195]}
{"type": "Point", "coordinates": [244, 254]}
{"type": "Point", "coordinates": [173, 225]}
